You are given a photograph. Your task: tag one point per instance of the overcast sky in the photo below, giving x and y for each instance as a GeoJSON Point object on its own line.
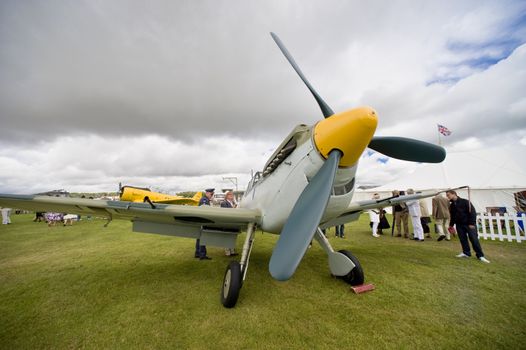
{"type": "Point", "coordinates": [176, 95]}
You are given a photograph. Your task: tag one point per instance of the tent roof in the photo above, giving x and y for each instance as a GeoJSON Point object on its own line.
{"type": "Point", "coordinates": [498, 167]}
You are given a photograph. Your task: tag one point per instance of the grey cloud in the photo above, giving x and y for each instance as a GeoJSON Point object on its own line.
{"type": "Point", "coordinates": [184, 68]}
{"type": "Point", "coordinates": [95, 92]}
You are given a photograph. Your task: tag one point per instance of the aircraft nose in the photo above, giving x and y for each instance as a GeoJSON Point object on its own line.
{"type": "Point", "coordinates": [349, 131]}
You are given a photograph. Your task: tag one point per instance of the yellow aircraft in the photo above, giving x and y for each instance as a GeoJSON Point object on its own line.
{"type": "Point", "coordinates": [138, 194]}
{"type": "Point", "coordinates": [305, 186]}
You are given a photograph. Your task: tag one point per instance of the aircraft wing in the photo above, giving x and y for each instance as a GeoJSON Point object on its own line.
{"type": "Point", "coordinates": [356, 208]}
{"type": "Point", "coordinates": [180, 201]}
{"type": "Point", "coordinates": [217, 224]}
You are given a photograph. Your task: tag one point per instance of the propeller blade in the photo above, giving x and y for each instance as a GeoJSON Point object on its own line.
{"type": "Point", "coordinates": [325, 109]}
{"type": "Point", "coordinates": [303, 221]}
{"type": "Point", "coordinates": [408, 149]}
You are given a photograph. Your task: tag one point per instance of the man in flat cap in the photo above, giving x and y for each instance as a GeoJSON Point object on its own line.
{"type": "Point", "coordinates": [200, 250]}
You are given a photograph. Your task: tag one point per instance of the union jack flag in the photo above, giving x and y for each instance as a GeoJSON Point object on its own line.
{"type": "Point", "coordinates": [443, 130]}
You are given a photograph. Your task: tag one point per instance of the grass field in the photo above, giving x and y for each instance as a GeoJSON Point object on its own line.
{"type": "Point", "coordinates": [88, 286]}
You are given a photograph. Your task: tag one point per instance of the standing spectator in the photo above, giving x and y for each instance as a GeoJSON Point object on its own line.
{"type": "Point", "coordinates": [200, 250]}
{"type": "Point", "coordinates": [383, 222]}
{"type": "Point", "coordinates": [400, 217]}
{"type": "Point", "coordinates": [6, 212]}
{"type": "Point", "coordinates": [229, 202]}
{"type": "Point", "coordinates": [441, 216]}
{"type": "Point", "coordinates": [340, 230]}
{"type": "Point", "coordinates": [374, 216]}
{"type": "Point", "coordinates": [464, 218]}
{"type": "Point", "coordinates": [414, 212]}
{"type": "Point", "coordinates": [39, 216]}
{"type": "Point", "coordinates": [425, 218]}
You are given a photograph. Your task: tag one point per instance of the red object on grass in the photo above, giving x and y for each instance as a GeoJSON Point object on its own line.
{"type": "Point", "coordinates": [451, 230]}
{"type": "Point", "coordinates": [362, 288]}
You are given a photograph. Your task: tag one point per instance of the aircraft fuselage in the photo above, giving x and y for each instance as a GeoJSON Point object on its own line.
{"type": "Point", "coordinates": [276, 193]}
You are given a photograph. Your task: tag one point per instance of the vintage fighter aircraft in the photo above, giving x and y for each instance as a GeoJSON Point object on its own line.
{"type": "Point", "coordinates": [139, 194]}
{"type": "Point", "coordinates": [306, 185]}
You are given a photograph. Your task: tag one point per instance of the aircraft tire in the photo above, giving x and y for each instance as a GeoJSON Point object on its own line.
{"type": "Point", "coordinates": [356, 276]}
{"type": "Point", "coordinates": [231, 285]}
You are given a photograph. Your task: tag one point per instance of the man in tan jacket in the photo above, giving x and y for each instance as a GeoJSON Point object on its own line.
{"type": "Point", "coordinates": [441, 216]}
{"type": "Point", "coordinates": [400, 217]}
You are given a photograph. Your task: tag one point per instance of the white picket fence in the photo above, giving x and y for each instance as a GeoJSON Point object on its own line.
{"type": "Point", "coordinates": [501, 227]}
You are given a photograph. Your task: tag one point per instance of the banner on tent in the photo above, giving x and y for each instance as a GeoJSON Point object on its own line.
{"type": "Point", "coordinates": [501, 227]}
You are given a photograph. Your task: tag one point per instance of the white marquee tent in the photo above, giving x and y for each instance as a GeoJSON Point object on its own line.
{"type": "Point", "coordinates": [494, 176]}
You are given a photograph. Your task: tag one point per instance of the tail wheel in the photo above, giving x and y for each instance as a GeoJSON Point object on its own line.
{"type": "Point", "coordinates": [231, 285]}
{"type": "Point", "coordinates": [355, 277]}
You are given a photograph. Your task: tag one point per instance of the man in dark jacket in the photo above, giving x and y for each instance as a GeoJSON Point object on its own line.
{"type": "Point", "coordinates": [464, 217]}
{"type": "Point", "coordinates": [200, 250]}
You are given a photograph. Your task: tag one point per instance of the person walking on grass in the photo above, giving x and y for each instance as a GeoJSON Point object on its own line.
{"type": "Point", "coordinates": [441, 216]}
{"type": "Point", "coordinates": [464, 218]}
{"type": "Point", "coordinates": [415, 214]}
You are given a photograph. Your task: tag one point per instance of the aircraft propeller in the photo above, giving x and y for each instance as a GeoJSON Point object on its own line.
{"type": "Point", "coordinates": [305, 217]}
{"type": "Point", "coordinates": [303, 221]}
{"type": "Point", "coordinates": [325, 109]}
{"type": "Point", "coordinates": [408, 149]}
{"type": "Point", "coordinates": [395, 147]}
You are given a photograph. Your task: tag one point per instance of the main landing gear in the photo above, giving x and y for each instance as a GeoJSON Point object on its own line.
{"type": "Point", "coordinates": [343, 264]}
{"type": "Point", "coordinates": [236, 271]}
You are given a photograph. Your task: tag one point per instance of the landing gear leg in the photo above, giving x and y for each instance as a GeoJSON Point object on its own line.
{"type": "Point", "coordinates": [342, 264]}
{"type": "Point", "coordinates": [236, 271]}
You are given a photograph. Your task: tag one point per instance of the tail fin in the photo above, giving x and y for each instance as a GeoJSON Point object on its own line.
{"type": "Point", "coordinates": [197, 196]}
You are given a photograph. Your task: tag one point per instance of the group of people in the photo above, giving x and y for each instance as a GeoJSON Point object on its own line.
{"type": "Point", "coordinates": [229, 202]}
{"type": "Point", "coordinates": [448, 212]}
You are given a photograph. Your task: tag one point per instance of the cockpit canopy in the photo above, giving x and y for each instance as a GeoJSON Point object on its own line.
{"type": "Point", "coordinates": [298, 136]}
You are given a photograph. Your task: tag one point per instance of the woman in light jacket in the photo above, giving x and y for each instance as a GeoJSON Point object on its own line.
{"type": "Point", "coordinates": [425, 218]}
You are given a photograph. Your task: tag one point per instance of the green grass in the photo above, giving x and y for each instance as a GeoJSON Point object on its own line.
{"type": "Point", "coordinates": [88, 286]}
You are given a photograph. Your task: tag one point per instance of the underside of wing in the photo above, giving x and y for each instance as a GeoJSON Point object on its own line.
{"type": "Point", "coordinates": [204, 216]}
{"type": "Point", "coordinates": [389, 201]}
{"type": "Point", "coordinates": [355, 209]}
